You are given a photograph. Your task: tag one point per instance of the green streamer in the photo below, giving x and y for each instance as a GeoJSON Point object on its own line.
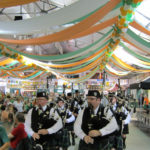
{"type": "Point", "coordinates": [34, 76]}
{"type": "Point", "coordinates": [80, 66]}
{"type": "Point", "coordinates": [8, 66]}
{"type": "Point", "coordinates": [84, 17]}
{"type": "Point", "coordinates": [135, 54]}
{"type": "Point", "coordinates": [89, 53]}
{"type": "Point", "coordinates": [57, 57]}
{"type": "Point", "coordinates": [138, 39]}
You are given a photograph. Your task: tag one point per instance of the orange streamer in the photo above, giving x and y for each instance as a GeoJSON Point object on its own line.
{"type": "Point", "coordinates": [118, 65]}
{"type": "Point", "coordinates": [128, 66]}
{"type": "Point", "coordinates": [6, 61]}
{"type": "Point", "coordinates": [134, 45]}
{"type": "Point", "coordinates": [79, 62]}
{"type": "Point", "coordinates": [71, 31]}
{"type": "Point", "coordinates": [16, 68]}
{"type": "Point", "coordinates": [10, 3]}
{"type": "Point", "coordinates": [90, 66]}
{"type": "Point", "coordinates": [96, 28]}
{"type": "Point", "coordinates": [123, 63]}
{"type": "Point", "coordinates": [140, 28]}
{"type": "Point", "coordinates": [28, 74]}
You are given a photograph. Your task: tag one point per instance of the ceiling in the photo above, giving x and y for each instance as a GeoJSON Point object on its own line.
{"type": "Point", "coordinates": [43, 7]}
{"type": "Point", "coordinates": [40, 8]}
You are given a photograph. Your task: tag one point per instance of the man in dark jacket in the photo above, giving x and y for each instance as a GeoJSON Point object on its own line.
{"type": "Point", "coordinates": [94, 123]}
{"type": "Point", "coordinates": [42, 122]}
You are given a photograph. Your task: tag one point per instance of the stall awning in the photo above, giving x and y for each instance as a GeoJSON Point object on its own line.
{"type": "Point", "coordinates": [135, 86]}
{"type": "Point", "coordinates": [141, 85]}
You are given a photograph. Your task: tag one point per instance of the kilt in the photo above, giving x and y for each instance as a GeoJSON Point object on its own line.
{"type": "Point", "coordinates": [50, 144]}
{"type": "Point", "coordinates": [69, 126]}
{"type": "Point", "coordinates": [102, 145]}
{"type": "Point", "coordinates": [116, 142]}
{"type": "Point", "coordinates": [125, 129]}
{"type": "Point", "coordinates": [63, 138]}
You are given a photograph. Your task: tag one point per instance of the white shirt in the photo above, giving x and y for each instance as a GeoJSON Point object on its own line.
{"type": "Point", "coordinates": [19, 106]}
{"type": "Point", "coordinates": [124, 110]}
{"type": "Point", "coordinates": [109, 128]}
{"type": "Point", "coordinates": [56, 127]}
{"type": "Point", "coordinates": [71, 118]}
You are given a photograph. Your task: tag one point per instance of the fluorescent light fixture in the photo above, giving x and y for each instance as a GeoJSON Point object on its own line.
{"type": "Point", "coordinates": [29, 49]}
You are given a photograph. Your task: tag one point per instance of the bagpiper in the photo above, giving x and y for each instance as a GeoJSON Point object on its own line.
{"type": "Point", "coordinates": [68, 121]}
{"type": "Point", "coordinates": [94, 124]}
{"type": "Point", "coordinates": [42, 122]}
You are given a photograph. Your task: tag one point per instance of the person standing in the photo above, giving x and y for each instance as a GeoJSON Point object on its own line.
{"type": "Point", "coordinates": [18, 104]}
{"type": "Point", "coordinates": [4, 141]}
{"type": "Point", "coordinates": [74, 108]}
{"type": "Point", "coordinates": [42, 122]}
{"type": "Point", "coordinates": [94, 124]}
{"type": "Point", "coordinates": [146, 103]}
{"type": "Point", "coordinates": [68, 121]}
{"type": "Point", "coordinates": [18, 133]}
{"type": "Point", "coordinates": [123, 119]}
{"type": "Point", "coordinates": [140, 100]}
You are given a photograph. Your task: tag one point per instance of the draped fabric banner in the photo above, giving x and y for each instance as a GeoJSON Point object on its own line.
{"type": "Point", "coordinates": [96, 28]}
{"type": "Point", "coordinates": [6, 61]}
{"type": "Point", "coordinates": [111, 73]}
{"type": "Point", "coordinates": [128, 66]}
{"type": "Point", "coordinates": [97, 54]}
{"type": "Point", "coordinates": [138, 39]}
{"type": "Point", "coordinates": [112, 60]}
{"type": "Point", "coordinates": [134, 44]}
{"type": "Point", "coordinates": [97, 44]}
{"type": "Point", "coordinates": [57, 18]}
{"type": "Point", "coordinates": [88, 76]}
{"type": "Point", "coordinates": [90, 66]}
{"type": "Point", "coordinates": [139, 42]}
{"type": "Point", "coordinates": [146, 59]}
{"type": "Point", "coordinates": [120, 73]}
{"type": "Point", "coordinates": [8, 66]}
{"type": "Point", "coordinates": [140, 27]}
{"type": "Point", "coordinates": [110, 15]}
{"type": "Point", "coordinates": [83, 78]}
{"type": "Point", "coordinates": [16, 68]}
{"type": "Point", "coordinates": [123, 64]}
{"type": "Point", "coordinates": [80, 67]}
{"type": "Point", "coordinates": [70, 31]}
{"type": "Point", "coordinates": [15, 75]}
{"type": "Point", "coordinates": [10, 3]}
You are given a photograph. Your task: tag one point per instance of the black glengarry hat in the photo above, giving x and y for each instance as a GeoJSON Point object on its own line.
{"type": "Point", "coordinates": [69, 94]}
{"type": "Point", "coordinates": [94, 93]}
{"type": "Point", "coordinates": [77, 91]}
{"type": "Point", "coordinates": [42, 94]}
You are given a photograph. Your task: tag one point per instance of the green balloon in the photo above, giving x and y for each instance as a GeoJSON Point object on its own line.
{"type": "Point", "coordinates": [134, 5]}
{"type": "Point", "coordinates": [125, 25]}
{"type": "Point", "coordinates": [128, 2]}
{"type": "Point", "coordinates": [129, 15]}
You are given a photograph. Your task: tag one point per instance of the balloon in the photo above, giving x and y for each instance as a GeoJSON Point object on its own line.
{"type": "Point", "coordinates": [123, 12]}
{"type": "Point", "coordinates": [128, 2]}
{"type": "Point", "coordinates": [122, 21]}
